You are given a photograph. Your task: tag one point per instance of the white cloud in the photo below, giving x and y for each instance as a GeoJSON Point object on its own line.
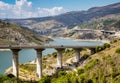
{"type": "Point", "coordinates": [50, 11]}
{"type": "Point", "coordinates": [24, 9]}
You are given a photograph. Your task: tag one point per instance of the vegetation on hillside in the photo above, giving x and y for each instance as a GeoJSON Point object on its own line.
{"type": "Point", "coordinates": [11, 79]}
{"type": "Point", "coordinates": [111, 22]}
{"type": "Point", "coordinates": [101, 67]}
{"type": "Point", "coordinates": [13, 34]}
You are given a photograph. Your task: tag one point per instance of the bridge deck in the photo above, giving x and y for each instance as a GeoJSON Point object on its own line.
{"type": "Point", "coordinates": [41, 47]}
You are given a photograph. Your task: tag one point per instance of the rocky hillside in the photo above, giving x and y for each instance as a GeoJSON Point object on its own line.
{"type": "Point", "coordinates": [13, 34]}
{"type": "Point", "coordinates": [93, 27]}
{"type": "Point", "coordinates": [106, 17]}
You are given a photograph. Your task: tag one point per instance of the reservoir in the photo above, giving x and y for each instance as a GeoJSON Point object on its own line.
{"type": "Point", "coordinates": [26, 55]}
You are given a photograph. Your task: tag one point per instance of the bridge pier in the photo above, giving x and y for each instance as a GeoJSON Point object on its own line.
{"type": "Point", "coordinates": [77, 57]}
{"type": "Point", "coordinates": [93, 51]}
{"type": "Point", "coordinates": [59, 58]}
{"type": "Point", "coordinates": [39, 62]}
{"type": "Point", "coordinates": [15, 49]}
{"type": "Point", "coordinates": [15, 62]}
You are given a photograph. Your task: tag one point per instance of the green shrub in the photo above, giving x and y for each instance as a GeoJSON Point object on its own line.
{"type": "Point", "coordinates": [89, 81]}
{"type": "Point", "coordinates": [117, 50]}
{"type": "Point", "coordinates": [62, 73]}
{"type": "Point", "coordinates": [82, 78]}
{"type": "Point", "coordinates": [10, 75]}
{"type": "Point", "coordinates": [102, 79]}
{"type": "Point", "coordinates": [80, 71]}
{"type": "Point", "coordinates": [114, 41]}
{"type": "Point", "coordinates": [85, 56]}
{"type": "Point", "coordinates": [62, 79]}
{"type": "Point", "coordinates": [106, 45]}
{"type": "Point", "coordinates": [73, 79]}
{"type": "Point", "coordinates": [3, 78]}
{"type": "Point", "coordinates": [12, 80]}
{"type": "Point", "coordinates": [54, 54]}
{"type": "Point", "coordinates": [91, 64]}
{"type": "Point", "coordinates": [94, 80]}
{"type": "Point", "coordinates": [97, 49]}
{"type": "Point", "coordinates": [45, 79]}
{"type": "Point", "coordinates": [117, 79]}
{"type": "Point", "coordinates": [6, 79]}
{"type": "Point", "coordinates": [114, 74]}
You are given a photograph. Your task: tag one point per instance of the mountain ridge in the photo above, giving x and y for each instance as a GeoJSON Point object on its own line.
{"type": "Point", "coordinates": [76, 17]}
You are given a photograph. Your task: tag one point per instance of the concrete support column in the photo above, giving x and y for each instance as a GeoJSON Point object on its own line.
{"type": "Point", "coordinates": [77, 57]}
{"type": "Point", "coordinates": [15, 62]}
{"type": "Point", "coordinates": [39, 62]}
{"type": "Point", "coordinates": [59, 58]}
{"type": "Point", "coordinates": [93, 51]}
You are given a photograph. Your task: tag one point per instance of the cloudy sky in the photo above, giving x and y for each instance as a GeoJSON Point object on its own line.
{"type": "Point", "coordinates": [42, 8]}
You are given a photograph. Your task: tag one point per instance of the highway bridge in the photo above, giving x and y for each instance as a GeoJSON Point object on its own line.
{"type": "Point", "coordinates": [16, 48]}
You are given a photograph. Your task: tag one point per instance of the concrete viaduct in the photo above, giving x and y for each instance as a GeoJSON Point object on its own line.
{"type": "Point", "coordinates": [39, 49]}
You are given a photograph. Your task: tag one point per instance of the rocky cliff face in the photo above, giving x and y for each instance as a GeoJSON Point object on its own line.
{"type": "Point", "coordinates": [13, 34]}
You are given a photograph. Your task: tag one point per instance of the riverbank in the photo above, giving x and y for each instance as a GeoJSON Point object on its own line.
{"type": "Point", "coordinates": [4, 49]}
{"type": "Point", "coordinates": [89, 40]}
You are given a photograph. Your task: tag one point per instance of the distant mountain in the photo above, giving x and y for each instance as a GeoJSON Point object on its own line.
{"type": "Point", "coordinates": [75, 17]}
{"type": "Point", "coordinates": [11, 34]}
{"type": "Point", "coordinates": [50, 24]}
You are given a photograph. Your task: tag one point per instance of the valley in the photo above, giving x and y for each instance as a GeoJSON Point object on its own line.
{"type": "Point", "coordinates": [97, 26]}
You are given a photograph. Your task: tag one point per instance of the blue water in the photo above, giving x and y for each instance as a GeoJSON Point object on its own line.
{"type": "Point", "coordinates": [27, 55]}
{"type": "Point", "coordinates": [72, 42]}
